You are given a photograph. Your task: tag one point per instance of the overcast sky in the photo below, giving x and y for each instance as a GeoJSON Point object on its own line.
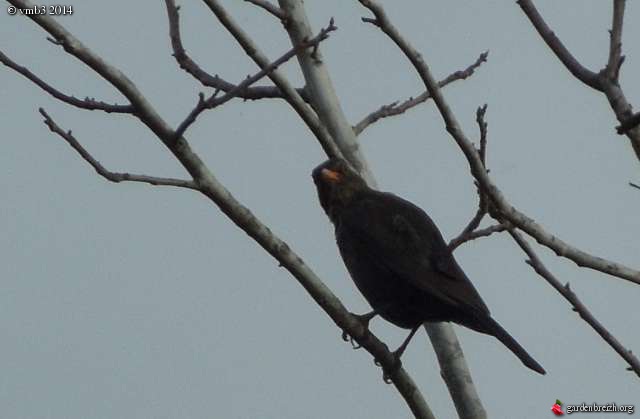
{"type": "Point", "coordinates": [141, 302]}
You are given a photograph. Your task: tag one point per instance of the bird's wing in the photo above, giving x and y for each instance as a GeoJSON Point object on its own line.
{"type": "Point", "coordinates": [398, 234]}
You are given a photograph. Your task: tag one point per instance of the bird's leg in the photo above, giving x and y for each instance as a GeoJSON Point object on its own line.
{"type": "Point", "coordinates": [364, 319]}
{"type": "Point", "coordinates": [398, 352]}
{"type": "Point", "coordinates": [396, 355]}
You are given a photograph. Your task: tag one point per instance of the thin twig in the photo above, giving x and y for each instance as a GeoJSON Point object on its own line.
{"type": "Point", "coordinates": [269, 7]}
{"type": "Point", "coordinates": [505, 210]}
{"type": "Point", "coordinates": [107, 174]}
{"type": "Point", "coordinates": [467, 233]}
{"type": "Point", "coordinates": [615, 41]}
{"type": "Point", "coordinates": [214, 101]}
{"type": "Point", "coordinates": [483, 198]}
{"type": "Point", "coordinates": [535, 262]}
{"type": "Point", "coordinates": [475, 234]}
{"type": "Point", "coordinates": [206, 79]}
{"type": "Point", "coordinates": [633, 185]}
{"type": "Point", "coordinates": [393, 109]}
{"type": "Point", "coordinates": [87, 103]}
{"type": "Point", "coordinates": [472, 225]}
{"type": "Point", "coordinates": [482, 126]}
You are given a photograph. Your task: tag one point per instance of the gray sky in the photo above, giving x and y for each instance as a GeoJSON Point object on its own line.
{"type": "Point", "coordinates": [141, 302]}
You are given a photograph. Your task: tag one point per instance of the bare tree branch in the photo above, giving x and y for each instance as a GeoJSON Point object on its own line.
{"type": "Point", "coordinates": [503, 207]}
{"type": "Point", "coordinates": [615, 44]}
{"type": "Point", "coordinates": [393, 109]}
{"type": "Point", "coordinates": [634, 185]}
{"type": "Point", "coordinates": [290, 94]}
{"type": "Point", "coordinates": [455, 372]}
{"type": "Point", "coordinates": [87, 103]}
{"type": "Point", "coordinates": [142, 108]}
{"type": "Point", "coordinates": [606, 81]}
{"type": "Point", "coordinates": [535, 262]}
{"type": "Point", "coordinates": [321, 90]}
{"type": "Point", "coordinates": [107, 174]}
{"type": "Point", "coordinates": [582, 73]}
{"type": "Point", "coordinates": [186, 63]}
{"type": "Point", "coordinates": [214, 101]}
{"type": "Point", "coordinates": [269, 7]}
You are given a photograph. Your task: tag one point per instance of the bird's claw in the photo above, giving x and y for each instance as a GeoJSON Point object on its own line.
{"type": "Point", "coordinates": [388, 373]}
{"type": "Point", "coordinates": [386, 378]}
{"type": "Point", "coordinates": [348, 338]}
{"type": "Point", "coordinates": [362, 318]}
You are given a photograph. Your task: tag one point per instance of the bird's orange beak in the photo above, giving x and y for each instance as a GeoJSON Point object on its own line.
{"type": "Point", "coordinates": [331, 176]}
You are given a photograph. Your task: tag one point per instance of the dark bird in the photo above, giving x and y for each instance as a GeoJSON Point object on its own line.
{"type": "Point", "coordinates": [399, 261]}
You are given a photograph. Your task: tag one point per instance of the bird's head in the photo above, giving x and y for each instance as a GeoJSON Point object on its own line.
{"type": "Point", "coordinates": [338, 184]}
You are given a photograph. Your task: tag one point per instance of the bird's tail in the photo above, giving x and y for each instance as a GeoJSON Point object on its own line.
{"type": "Point", "coordinates": [494, 329]}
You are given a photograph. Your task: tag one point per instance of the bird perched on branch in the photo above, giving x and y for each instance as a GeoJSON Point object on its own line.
{"type": "Point", "coordinates": [399, 260]}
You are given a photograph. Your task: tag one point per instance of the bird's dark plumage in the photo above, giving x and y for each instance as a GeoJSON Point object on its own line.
{"type": "Point", "coordinates": [399, 260]}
